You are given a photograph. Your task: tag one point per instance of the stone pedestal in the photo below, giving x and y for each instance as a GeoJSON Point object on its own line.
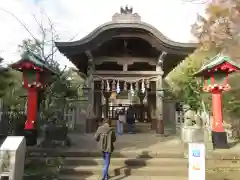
{"type": "Point", "coordinates": [191, 134]}
{"type": "Point", "coordinates": [12, 157]}
{"type": "Point", "coordinates": [208, 140]}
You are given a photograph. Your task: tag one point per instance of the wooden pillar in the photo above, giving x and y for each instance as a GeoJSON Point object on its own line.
{"type": "Point", "coordinates": [92, 119]}
{"type": "Point", "coordinates": [159, 102]}
{"type": "Point", "coordinates": [106, 95]}
{"type": "Point", "coordinates": [148, 110]}
{"type": "Point", "coordinates": [141, 97]}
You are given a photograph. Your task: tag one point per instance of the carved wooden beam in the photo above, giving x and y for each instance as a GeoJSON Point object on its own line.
{"type": "Point", "coordinates": [124, 60]}
{"type": "Point", "coordinates": [126, 73]}
{"type": "Point", "coordinates": [159, 66]}
{"type": "Point", "coordinates": [161, 58]}
{"type": "Point", "coordinates": [89, 55]}
{"type": "Point", "coordinates": [127, 79]}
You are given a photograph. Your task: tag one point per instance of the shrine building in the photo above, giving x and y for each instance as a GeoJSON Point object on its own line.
{"type": "Point", "coordinates": [126, 61]}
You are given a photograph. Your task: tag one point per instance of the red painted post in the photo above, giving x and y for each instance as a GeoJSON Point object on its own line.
{"type": "Point", "coordinates": [217, 122]}
{"type": "Point", "coordinates": [32, 104]}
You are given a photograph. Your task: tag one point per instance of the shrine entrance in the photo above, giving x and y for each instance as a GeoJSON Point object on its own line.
{"type": "Point", "coordinates": [125, 62]}
{"type": "Point", "coordinates": [138, 108]}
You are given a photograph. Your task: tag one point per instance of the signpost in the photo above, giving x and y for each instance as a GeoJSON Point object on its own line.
{"type": "Point", "coordinates": [196, 161]}
{"type": "Point", "coordinates": [12, 157]}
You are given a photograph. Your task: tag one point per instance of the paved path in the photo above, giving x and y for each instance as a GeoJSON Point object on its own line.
{"type": "Point", "coordinates": [130, 142]}
{"type": "Point", "coordinates": [122, 177]}
{"type": "Point", "coordinates": [139, 142]}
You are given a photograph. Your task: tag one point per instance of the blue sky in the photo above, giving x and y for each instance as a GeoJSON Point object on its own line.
{"type": "Point", "coordinates": [70, 17]}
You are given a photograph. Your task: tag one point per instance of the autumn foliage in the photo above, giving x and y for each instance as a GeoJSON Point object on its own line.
{"type": "Point", "coordinates": [218, 30]}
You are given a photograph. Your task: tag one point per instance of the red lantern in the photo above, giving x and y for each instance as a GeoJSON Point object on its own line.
{"type": "Point", "coordinates": [35, 75]}
{"type": "Point", "coordinates": [215, 75]}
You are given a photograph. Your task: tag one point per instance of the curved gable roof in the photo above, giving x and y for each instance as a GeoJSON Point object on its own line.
{"type": "Point", "coordinates": [125, 20]}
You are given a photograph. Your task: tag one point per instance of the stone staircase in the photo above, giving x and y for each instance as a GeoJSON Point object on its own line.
{"type": "Point", "coordinates": [89, 168]}
{"type": "Point", "coordinates": [142, 156]}
{"type": "Point", "coordinates": [134, 165]}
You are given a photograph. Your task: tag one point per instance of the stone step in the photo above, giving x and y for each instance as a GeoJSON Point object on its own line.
{"type": "Point", "coordinates": [180, 171]}
{"type": "Point", "coordinates": [122, 177]}
{"type": "Point", "coordinates": [209, 176]}
{"type": "Point", "coordinates": [165, 153]}
{"type": "Point", "coordinates": [127, 162]}
{"type": "Point", "coordinates": [41, 152]}
{"type": "Point", "coordinates": [150, 162]}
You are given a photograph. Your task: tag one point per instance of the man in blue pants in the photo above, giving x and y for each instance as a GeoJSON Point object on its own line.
{"type": "Point", "coordinates": [106, 137]}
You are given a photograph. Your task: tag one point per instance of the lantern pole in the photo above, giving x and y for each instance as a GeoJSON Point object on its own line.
{"type": "Point", "coordinates": [217, 122]}
{"type": "Point", "coordinates": [32, 106]}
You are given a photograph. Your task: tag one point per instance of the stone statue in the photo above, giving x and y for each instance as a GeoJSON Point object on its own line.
{"type": "Point", "coordinates": [198, 121]}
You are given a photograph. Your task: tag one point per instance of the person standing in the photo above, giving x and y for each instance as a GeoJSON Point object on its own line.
{"type": "Point", "coordinates": [105, 136]}
{"type": "Point", "coordinates": [121, 120]}
{"type": "Point", "coordinates": [130, 119]}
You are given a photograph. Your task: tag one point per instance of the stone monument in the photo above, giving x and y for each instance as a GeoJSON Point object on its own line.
{"type": "Point", "coordinates": [12, 157]}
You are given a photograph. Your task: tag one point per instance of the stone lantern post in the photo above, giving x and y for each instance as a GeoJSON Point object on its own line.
{"type": "Point", "coordinates": [215, 75]}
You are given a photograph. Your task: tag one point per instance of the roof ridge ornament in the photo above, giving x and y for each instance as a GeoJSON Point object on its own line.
{"type": "Point", "coordinates": [126, 10]}
{"type": "Point", "coordinates": [126, 14]}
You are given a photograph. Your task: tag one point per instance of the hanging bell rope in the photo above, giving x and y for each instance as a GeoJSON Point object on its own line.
{"type": "Point", "coordinates": [131, 89]}
{"type": "Point", "coordinates": [108, 86]}
{"type": "Point", "coordinates": [114, 85]}
{"type": "Point", "coordinates": [102, 85]}
{"type": "Point", "coordinates": [118, 87]}
{"type": "Point", "coordinates": [147, 84]}
{"type": "Point", "coordinates": [125, 86]}
{"type": "Point", "coordinates": [143, 86]}
{"type": "Point", "coordinates": [136, 86]}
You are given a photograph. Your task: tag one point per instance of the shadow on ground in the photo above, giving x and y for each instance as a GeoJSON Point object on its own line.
{"type": "Point", "coordinates": [129, 165]}
{"type": "Point", "coordinates": [234, 143]}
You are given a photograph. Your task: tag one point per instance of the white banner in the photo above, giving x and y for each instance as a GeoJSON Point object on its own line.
{"type": "Point", "coordinates": [196, 161]}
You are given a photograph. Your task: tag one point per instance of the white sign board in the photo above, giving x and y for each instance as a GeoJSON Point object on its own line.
{"type": "Point", "coordinates": [196, 161]}
{"type": "Point", "coordinates": [12, 157]}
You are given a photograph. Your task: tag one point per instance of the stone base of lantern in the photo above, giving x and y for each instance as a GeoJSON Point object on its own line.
{"type": "Point", "coordinates": [219, 140]}
{"type": "Point", "coordinates": [30, 136]}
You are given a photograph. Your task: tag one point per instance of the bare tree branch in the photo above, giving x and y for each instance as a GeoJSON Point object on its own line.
{"type": "Point", "coordinates": [21, 22]}
{"type": "Point", "coordinates": [40, 25]}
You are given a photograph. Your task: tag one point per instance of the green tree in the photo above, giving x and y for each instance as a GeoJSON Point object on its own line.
{"type": "Point", "coordinates": [185, 86]}
{"type": "Point", "coordinates": [61, 89]}
{"type": "Point", "coordinates": [8, 81]}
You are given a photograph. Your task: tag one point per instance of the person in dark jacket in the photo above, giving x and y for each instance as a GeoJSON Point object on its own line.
{"type": "Point", "coordinates": [106, 137]}
{"type": "Point", "coordinates": [130, 119]}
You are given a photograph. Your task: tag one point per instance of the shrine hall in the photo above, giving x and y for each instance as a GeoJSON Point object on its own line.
{"type": "Point", "coordinates": [125, 62]}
